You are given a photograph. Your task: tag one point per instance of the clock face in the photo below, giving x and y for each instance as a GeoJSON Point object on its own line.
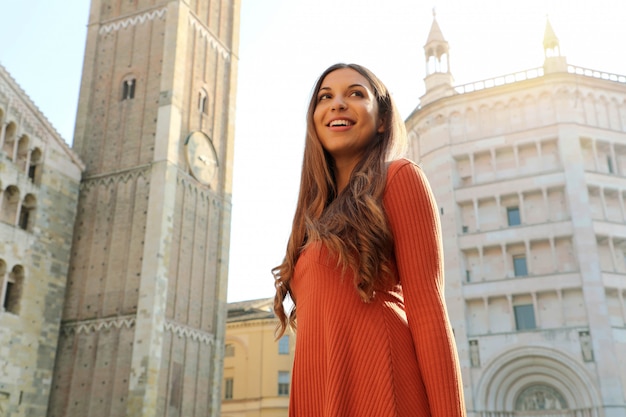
{"type": "Point", "coordinates": [201, 157]}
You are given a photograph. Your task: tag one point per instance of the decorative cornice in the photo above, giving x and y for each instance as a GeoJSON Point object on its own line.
{"type": "Point", "coordinates": [208, 36]}
{"type": "Point", "coordinates": [111, 178]}
{"type": "Point", "coordinates": [97, 325]}
{"type": "Point", "coordinates": [132, 21]}
{"type": "Point", "coordinates": [186, 332]}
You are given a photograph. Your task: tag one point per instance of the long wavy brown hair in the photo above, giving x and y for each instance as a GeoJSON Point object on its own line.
{"type": "Point", "coordinates": [351, 223]}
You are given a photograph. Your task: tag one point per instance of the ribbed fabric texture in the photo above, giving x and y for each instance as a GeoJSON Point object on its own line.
{"type": "Point", "coordinates": [394, 356]}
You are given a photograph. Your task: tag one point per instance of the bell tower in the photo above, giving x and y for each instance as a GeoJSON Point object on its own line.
{"type": "Point", "coordinates": [554, 61]}
{"type": "Point", "coordinates": [438, 80]}
{"type": "Point", "coordinates": [143, 322]}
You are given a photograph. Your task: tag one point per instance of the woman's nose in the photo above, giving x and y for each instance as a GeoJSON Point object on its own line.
{"type": "Point", "coordinates": [338, 103]}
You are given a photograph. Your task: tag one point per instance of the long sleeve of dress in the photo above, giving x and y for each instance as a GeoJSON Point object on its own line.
{"type": "Point", "coordinates": [413, 217]}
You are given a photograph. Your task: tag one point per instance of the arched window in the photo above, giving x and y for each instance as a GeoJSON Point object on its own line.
{"type": "Point", "coordinates": [34, 165]}
{"type": "Point", "coordinates": [128, 88]}
{"type": "Point", "coordinates": [10, 204]}
{"type": "Point", "coordinates": [27, 212]}
{"type": "Point", "coordinates": [9, 140]}
{"type": "Point", "coordinates": [203, 101]}
{"type": "Point", "coordinates": [12, 290]}
{"type": "Point", "coordinates": [22, 152]}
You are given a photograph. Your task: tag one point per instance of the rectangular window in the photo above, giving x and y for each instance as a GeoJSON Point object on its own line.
{"type": "Point", "coordinates": [519, 266]}
{"type": "Point", "coordinates": [229, 350]}
{"type": "Point", "coordinates": [468, 275]}
{"type": "Point", "coordinates": [524, 317]}
{"type": "Point", "coordinates": [283, 345]}
{"type": "Point", "coordinates": [228, 388]}
{"type": "Point", "coordinates": [283, 383]}
{"type": "Point", "coordinates": [465, 229]}
{"type": "Point", "coordinates": [609, 164]}
{"type": "Point", "coordinates": [512, 214]}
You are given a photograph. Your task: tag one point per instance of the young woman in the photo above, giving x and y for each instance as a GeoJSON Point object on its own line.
{"type": "Point", "coordinates": [364, 266]}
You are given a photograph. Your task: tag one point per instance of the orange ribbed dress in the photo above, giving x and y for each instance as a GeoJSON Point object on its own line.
{"type": "Point", "coordinates": [394, 356]}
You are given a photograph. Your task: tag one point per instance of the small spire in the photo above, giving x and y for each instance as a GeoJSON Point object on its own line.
{"type": "Point", "coordinates": [554, 61]}
{"type": "Point", "coordinates": [550, 41]}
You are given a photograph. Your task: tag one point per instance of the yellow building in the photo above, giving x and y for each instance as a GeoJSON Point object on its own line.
{"type": "Point", "coordinates": [257, 368]}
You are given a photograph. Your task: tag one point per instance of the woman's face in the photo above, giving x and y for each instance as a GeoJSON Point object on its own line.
{"type": "Point", "coordinates": [346, 114]}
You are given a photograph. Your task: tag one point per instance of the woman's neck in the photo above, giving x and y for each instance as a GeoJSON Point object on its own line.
{"type": "Point", "coordinates": [343, 171]}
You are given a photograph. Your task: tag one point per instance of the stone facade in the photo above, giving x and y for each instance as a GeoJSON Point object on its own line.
{"type": "Point", "coordinates": [257, 368]}
{"type": "Point", "coordinates": [144, 316]}
{"type": "Point", "coordinates": [39, 186]}
{"type": "Point", "coordinates": [529, 171]}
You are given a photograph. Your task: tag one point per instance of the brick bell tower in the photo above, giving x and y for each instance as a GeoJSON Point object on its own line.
{"type": "Point", "coordinates": [143, 323]}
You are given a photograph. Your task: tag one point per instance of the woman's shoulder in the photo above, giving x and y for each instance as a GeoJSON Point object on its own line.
{"type": "Point", "coordinates": [402, 165]}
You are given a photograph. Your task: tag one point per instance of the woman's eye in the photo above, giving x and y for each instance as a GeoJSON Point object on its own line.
{"type": "Point", "coordinates": [357, 94]}
{"type": "Point", "coordinates": [323, 97]}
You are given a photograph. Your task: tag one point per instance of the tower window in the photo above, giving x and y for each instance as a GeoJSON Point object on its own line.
{"type": "Point", "coordinates": [203, 100]}
{"type": "Point", "coordinates": [524, 317]}
{"type": "Point", "coordinates": [513, 216]}
{"type": "Point", "coordinates": [128, 89]}
{"type": "Point", "coordinates": [519, 266]}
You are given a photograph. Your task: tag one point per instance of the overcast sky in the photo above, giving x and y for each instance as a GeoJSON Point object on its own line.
{"type": "Point", "coordinates": [284, 45]}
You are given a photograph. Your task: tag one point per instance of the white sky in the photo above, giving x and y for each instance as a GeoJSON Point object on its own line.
{"type": "Point", "coordinates": [284, 45]}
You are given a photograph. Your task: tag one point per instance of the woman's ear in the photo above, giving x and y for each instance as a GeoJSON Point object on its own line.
{"type": "Point", "coordinates": [381, 125]}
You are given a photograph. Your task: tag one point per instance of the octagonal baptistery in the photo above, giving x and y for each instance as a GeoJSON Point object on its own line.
{"type": "Point", "coordinates": [529, 173]}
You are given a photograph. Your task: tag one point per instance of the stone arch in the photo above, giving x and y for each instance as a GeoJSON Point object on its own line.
{"type": "Point", "coordinates": [456, 127]}
{"type": "Point", "coordinates": [35, 165]}
{"type": "Point", "coordinates": [471, 123]}
{"type": "Point", "coordinates": [529, 109]}
{"type": "Point", "coordinates": [590, 109]}
{"type": "Point", "coordinates": [9, 139]}
{"type": "Point", "coordinates": [546, 109]}
{"type": "Point", "coordinates": [508, 376]}
{"type": "Point", "coordinates": [485, 120]}
{"type": "Point", "coordinates": [515, 115]}
{"type": "Point", "coordinates": [21, 157]}
{"type": "Point", "coordinates": [602, 112]}
{"type": "Point", "coordinates": [10, 204]}
{"type": "Point", "coordinates": [239, 342]}
{"type": "Point", "coordinates": [12, 295]}
{"type": "Point", "coordinates": [501, 119]}
{"type": "Point", "coordinates": [614, 118]}
{"type": "Point", "coordinates": [413, 145]}
{"type": "Point", "coordinates": [27, 212]}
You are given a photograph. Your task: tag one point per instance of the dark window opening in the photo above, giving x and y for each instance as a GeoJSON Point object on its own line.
{"type": "Point", "coordinates": [524, 317]}
{"type": "Point", "coordinates": [128, 89]}
{"type": "Point", "coordinates": [228, 388]}
{"type": "Point", "coordinates": [24, 216]}
{"type": "Point", "coordinates": [513, 216]}
{"type": "Point", "coordinates": [519, 266]}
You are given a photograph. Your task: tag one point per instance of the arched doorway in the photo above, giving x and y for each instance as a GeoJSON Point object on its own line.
{"type": "Point", "coordinates": [536, 382]}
